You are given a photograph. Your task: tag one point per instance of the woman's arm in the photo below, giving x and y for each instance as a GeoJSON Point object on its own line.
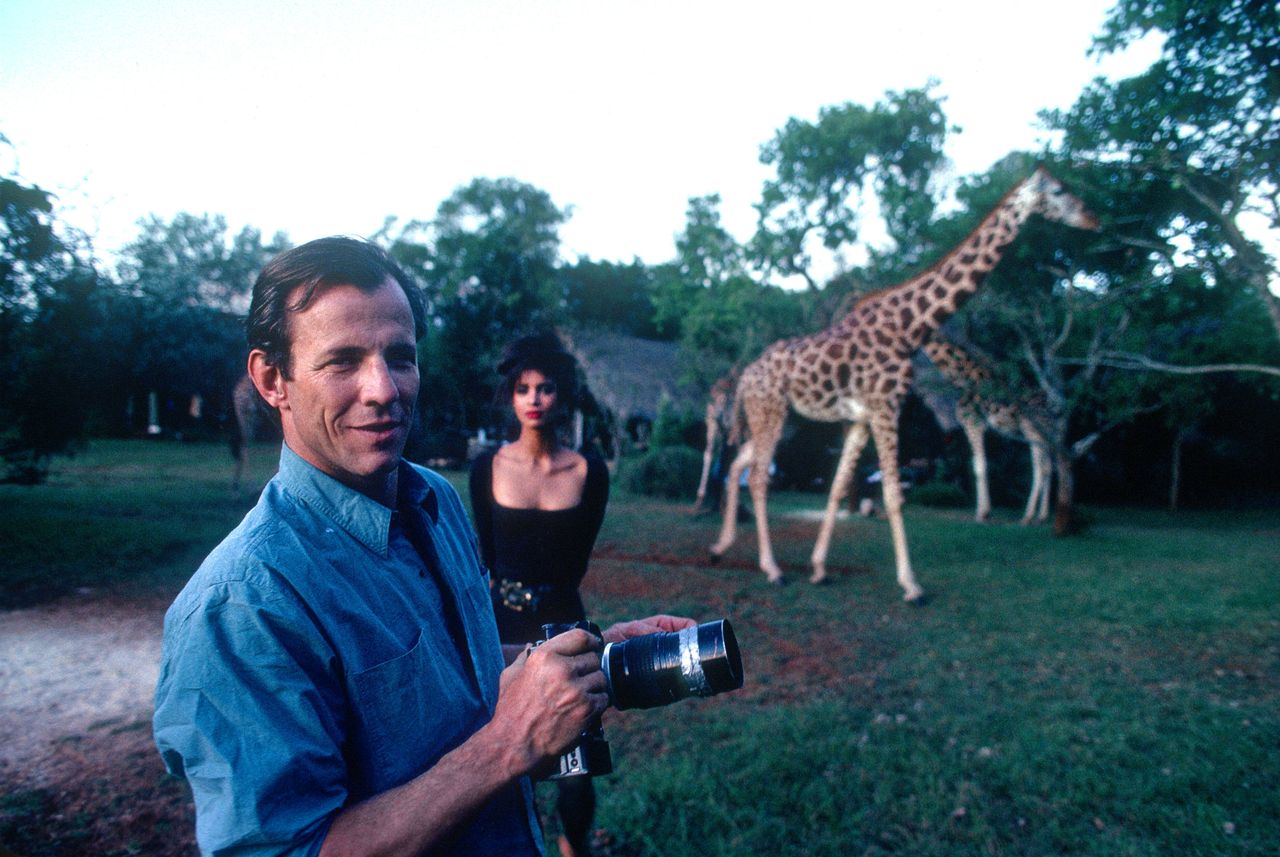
{"type": "Point", "coordinates": [595, 497]}
{"type": "Point", "coordinates": [481, 485]}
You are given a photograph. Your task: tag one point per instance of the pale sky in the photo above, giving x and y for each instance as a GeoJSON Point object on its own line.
{"type": "Point", "coordinates": [324, 117]}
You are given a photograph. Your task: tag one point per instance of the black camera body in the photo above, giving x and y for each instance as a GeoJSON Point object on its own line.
{"type": "Point", "coordinates": [590, 755]}
{"type": "Point", "coordinates": [650, 671]}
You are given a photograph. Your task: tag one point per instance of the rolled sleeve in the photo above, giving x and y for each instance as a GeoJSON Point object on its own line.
{"type": "Point", "coordinates": [250, 714]}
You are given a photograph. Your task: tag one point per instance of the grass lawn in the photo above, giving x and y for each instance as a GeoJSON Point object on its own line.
{"type": "Point", "coordinates": [122, 517]}
{"type": "Point", "coordinates": [1116, 692]}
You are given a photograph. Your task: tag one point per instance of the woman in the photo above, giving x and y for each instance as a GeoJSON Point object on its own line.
{"type": "Point", "coordinates": [538, 506]}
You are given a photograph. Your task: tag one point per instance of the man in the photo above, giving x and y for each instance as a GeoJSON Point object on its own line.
{"type": "Point", "coordinates": [332, 680]}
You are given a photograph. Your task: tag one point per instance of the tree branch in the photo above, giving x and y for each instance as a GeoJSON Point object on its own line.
{"type": "Point", "coordinates": [1139, 362]}
{"type": "Point", "coordinates": [1084, 444]}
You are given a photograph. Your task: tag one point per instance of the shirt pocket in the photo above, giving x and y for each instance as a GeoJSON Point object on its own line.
{"type": "Point", "coordinates": [406, 712]}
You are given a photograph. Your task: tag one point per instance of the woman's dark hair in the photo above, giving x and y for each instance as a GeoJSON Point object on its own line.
{"type": "Point", "coordinates": [318, 264]}
{"type": "Point", "coordinates": [545, 353]}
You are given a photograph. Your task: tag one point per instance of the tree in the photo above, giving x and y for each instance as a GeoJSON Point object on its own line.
{"type": "Point", "coordinates": [185, 286]}
{"type": "Point", "coordinates": [610, 295]}
{"type": "Point", "coordinates": [706, 256]}
{"type": "Point", "coordinates": [193, 260]}
{"type": "Point", "coordinates": [827, 173]}
{"type": "Point", "coordinates": [29, 251]}
{"type": "Point", "coordinates": [51, 335]}
{"type": "Point", "coordinates": [488, 265]}
{"type": "Point", "coordinates": [1200, 128]}
{"type": "Point", "coordinates": [1189, 149]}
{"type": "Point", "coordinates": [723, 316]}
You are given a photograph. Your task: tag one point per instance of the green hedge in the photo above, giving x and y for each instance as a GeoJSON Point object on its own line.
{"type": "Point", "coordinates": [670, 471]}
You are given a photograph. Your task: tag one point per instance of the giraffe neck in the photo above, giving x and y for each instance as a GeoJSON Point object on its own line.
{"type": "Point", "coordinates": [957, 365]}
{"type": "Point", "coordinates": [919, 306]}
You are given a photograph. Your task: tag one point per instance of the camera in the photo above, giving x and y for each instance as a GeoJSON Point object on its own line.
{"type": "Point", "coordinates": [650, 671]}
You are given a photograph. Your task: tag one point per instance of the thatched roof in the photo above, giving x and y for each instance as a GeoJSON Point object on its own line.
{"type": "Point", "coordinates": [631, 376]}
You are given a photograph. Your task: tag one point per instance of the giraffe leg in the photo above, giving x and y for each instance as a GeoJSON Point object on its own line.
{"type": "Point", "coordinates": [976, 432]}
{"type": "Point", "coordinates": [1033, 498]}
{"type": "Point", "coordinates": [758, 482]}
{"type": "Point", "coordinates": [884, 425]}
{"type": "Point", "coordinates": [1041, 454]}
{"type": "Point", "coordinates": [708, 455]}
{"type": "Point", "coordinates": [854, 441]}
{"type": "Point", "coordinates": [237, 475]}
{"type": "Point", "coordinates": [1041, 474]}
{"type": "Point", "coordinates": [729, 527]}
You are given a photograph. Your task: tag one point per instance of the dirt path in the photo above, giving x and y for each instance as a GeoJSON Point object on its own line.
{"type": "Point", "coordinates": [81, 667]}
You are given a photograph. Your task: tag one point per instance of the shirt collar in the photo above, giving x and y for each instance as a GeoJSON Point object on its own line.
{"type": "Point", "coordinates": [364, 519]}
{"type": "Point", "coordinates": [416, 493]}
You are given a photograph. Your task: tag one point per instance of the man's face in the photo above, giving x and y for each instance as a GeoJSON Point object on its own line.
{"type": "Point", "coordinates": [347, 405]}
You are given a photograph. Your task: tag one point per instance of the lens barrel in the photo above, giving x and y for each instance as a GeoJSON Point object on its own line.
{"type": "Point", "coordinates": [658, 669]}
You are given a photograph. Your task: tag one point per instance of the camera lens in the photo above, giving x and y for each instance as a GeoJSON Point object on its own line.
{"type": "Point", "coordinates": [658, 669]}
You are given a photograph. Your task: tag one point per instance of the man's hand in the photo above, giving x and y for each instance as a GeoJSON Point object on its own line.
{"type": "Point", "coordinates": [545, 698]}
{"type": "Point", "coordinates": [548, 696]}
{"type": "Point", "coordinates": [652, 625]}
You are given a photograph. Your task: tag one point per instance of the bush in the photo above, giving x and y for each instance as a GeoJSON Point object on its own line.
{"type": "Point", "coordinates": [945, 495]}
{"type": "Point", "coordinates": [671, 472]}
{"type": "Point", "coordinates": [677, 427]}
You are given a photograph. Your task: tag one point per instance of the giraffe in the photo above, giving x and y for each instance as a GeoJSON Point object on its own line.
{"type": "Point", "coordinates": [715, 417]}
{"type": "Point", "coordinates": [858, 370]}
{"type": "Point", "coordinates": [1018, 417]}
{"type": "Point", "coordinates": [248, 411]}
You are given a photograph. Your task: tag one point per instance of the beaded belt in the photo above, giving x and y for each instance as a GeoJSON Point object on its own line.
{"type": "Point", "coordinates": [520, 597]}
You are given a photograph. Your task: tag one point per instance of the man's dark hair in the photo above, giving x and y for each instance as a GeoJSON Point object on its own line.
{"type": "Point", "coordinates": [545, 353]}
{"type": "Point", "coordinates": [319, 264]}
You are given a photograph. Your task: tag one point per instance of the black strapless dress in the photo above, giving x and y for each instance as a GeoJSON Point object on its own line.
{"type": "Point", "coordinates": [536, 558]}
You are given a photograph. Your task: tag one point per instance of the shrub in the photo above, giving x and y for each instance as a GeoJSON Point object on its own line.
{"type": "Point", "coordinates": [677, 427]}
{"type": "Point", "coordinates": [946, 495]}
{"type": "Point", "coordinates": [670, 471]}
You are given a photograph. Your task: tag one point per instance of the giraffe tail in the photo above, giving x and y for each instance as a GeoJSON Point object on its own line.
{"type": "Point", "coordinates": [235, 437]}
{"type": "Point", "coordinates": [735, 420]}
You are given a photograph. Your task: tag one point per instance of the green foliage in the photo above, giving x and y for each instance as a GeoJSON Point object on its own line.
{"type": "Point", "coordinates": [1197, 133]}
{"type": "Point", "coordinates": [52, 334]}
{"type": "Point", "coordinates": [706, 256]}
{"type": "Point", "coordinates": [126, 517]}
{"type": "Point", "coordinates": [722, 316]}
{"type": "Point", "coordinates": [941, 495]}
{"type": "Point", "coordinates": [609, 295]}
{"type": "Point", "coordinates": [670, 472]}
{"type": "Point", "coordinates": [76, 347]}
{"type": "Point", "coordinates": [488, 266]}
{"type": "Point", "coordinates": [184, 289]}
{"type": "Point", "coordinates": [675, 426]}
{"type": "Point", "coordinates": [192, 260]}
{"type": "Point", "coordinates": [826, 172]}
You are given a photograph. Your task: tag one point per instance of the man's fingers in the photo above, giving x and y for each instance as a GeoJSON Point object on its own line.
{"type": "Point", "coordinates": [572, 642]}
{"type": "Point", "coordinates": [671, 623]}
{"type": "Point", "coordinates": [599, 702]}
{"type": "Point", "coordinates": [585, 664]}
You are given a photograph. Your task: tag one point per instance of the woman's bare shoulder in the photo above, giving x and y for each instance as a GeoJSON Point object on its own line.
{"type": "Point", "coordinates": [569, 461]}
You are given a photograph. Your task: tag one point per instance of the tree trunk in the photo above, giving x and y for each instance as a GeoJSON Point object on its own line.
{"type": "Point", "coordinates": [1175, 467]}
{"type": "Point", "coordinates": [1063, 515]}
{"type": "Point", "coordinates": [1273, 306]}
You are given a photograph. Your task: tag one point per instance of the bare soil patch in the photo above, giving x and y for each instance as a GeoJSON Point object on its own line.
{"type": "Point", "coordinates": [78, 770]}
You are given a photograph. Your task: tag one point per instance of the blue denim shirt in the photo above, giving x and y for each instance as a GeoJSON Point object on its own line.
{"type": "Point", "coordinates": [308, 665]}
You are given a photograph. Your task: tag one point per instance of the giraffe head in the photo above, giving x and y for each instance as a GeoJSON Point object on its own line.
{"type": "Point", "coordinates": [1045, 195]}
